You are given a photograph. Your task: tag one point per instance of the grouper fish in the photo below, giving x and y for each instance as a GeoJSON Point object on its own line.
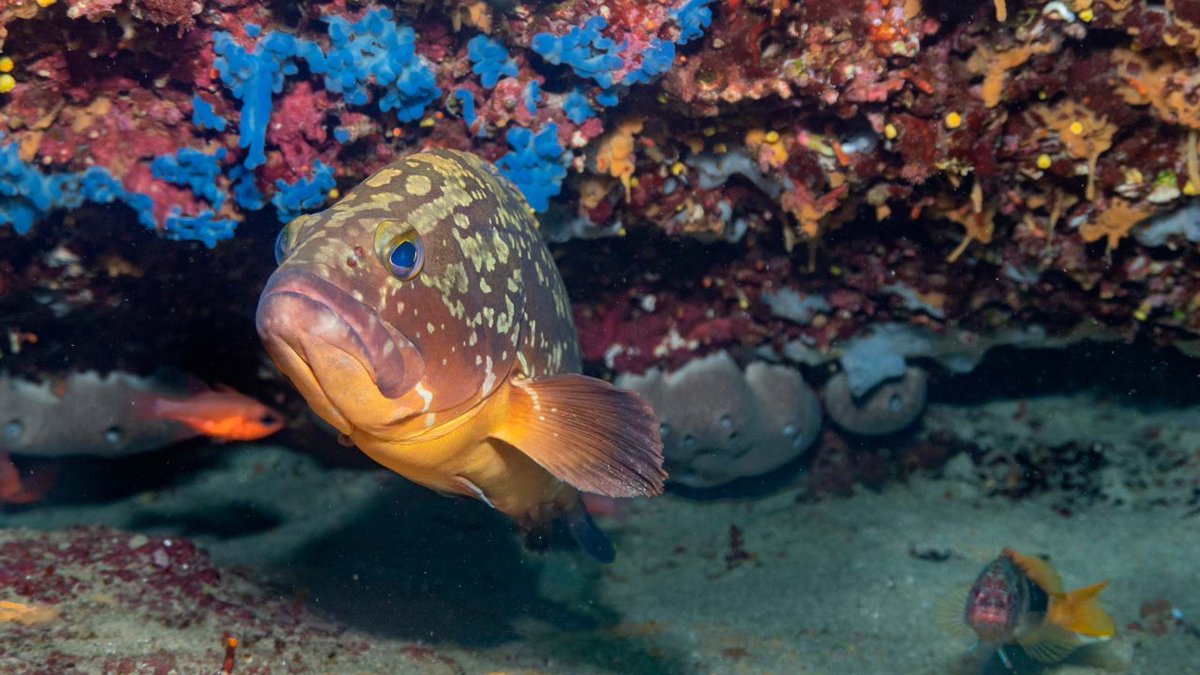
{"type": "Point", "coordinates": [422, 316]}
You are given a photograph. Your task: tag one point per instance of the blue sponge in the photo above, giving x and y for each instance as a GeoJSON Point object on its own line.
{"type": "Point", "coordinates": [490, 60]}
{"type": "Point", "coordinates": [535, 164]}
{"type": "Point", "coordinates": [194, 169]}
{"type": "Point", "coordinates": [204, 116]}
{"type": "Point", "coordinates": [577, 108]}
{"type": "Point", "coordinates": [303, 195]}
{"type": "Point", "coordinates": [693, 17]}
{"type": "Point", "coordinates": [27, 195]}
{"type": "Point", "coordinates": [374, 50]}
{"type": "Point", "coordinates": [583, 49]}
{"type": "Point", "coordinates": [253, 77]}
{"type": "Point", "coordinates": [203, 228]}
{"type": "Point", "coordinates": [657, 59]}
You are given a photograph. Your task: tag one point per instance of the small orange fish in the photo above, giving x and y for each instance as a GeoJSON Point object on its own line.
{"type": "Point", "coordinates": [222, 414]}
{"type": "Point", "coordinates": [1020, 600]}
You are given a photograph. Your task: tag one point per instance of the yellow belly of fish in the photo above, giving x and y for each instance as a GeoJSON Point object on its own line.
{"type": "Point", "coordinates": [459, 456]}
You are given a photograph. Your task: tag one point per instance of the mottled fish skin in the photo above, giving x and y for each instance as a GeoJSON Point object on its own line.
{"type": "Point", "coordinates": [997, 602]}
{"type": "Point", "coordinates": [419, 373]}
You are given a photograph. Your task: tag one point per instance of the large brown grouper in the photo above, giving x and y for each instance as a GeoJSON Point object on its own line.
{"type": "Point", "coordinates": [423, 317]}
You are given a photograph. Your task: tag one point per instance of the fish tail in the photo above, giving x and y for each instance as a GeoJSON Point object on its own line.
{"type": "Point", "coordinates": [588, 535]}
{"type": "Point", "coordinates": [1080, 612]}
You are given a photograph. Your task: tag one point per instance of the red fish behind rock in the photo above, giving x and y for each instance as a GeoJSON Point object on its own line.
{"type": "Point", "coordinates": [114, 415]}
{"type": "Point", "coordinates": [223, 414]}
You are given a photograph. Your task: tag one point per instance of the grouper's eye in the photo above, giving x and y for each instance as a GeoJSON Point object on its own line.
{"type": "Point", "coordinates": [404, 257]}
{"type": "Point", "coordinates": [281, 246]}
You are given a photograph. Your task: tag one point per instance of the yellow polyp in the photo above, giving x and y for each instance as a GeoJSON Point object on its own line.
{"type": "Point", "coordinates": [6, 64]}
{"type": "Point", "coordinates": [953, 120]}
{"type": "Point", "coordinates": [720, 148]}
{"type": "Point", "coordinates": [768, 145]}
{"type": "Point", "coordinates": [633, 181]}
{"type": "Point", "coordinates": [708, 131]}
{"type": "Point", "coordinates": [1086, 15]}
{"type": "Point", "coordinates": [1076, 128]}
{"type": "Point", "coordinates": [1044, 162]}
{"type": "Point", "coordinates": [889, 131]}
{"type": "Point", "coordinates": [427, 122]}
{"type": "Point", "coordinates": [662, 97]}
{"type": "Point", "coordinates": [45, 3]}
{"type": "Point", "coordinates": [1189, 189]}
{"type": "Point", "coordinates": [333, 194]}
{"type": "Point", "coordinates": [7, 83]}
{"type": "Point", "coordinates": [616, 156]}
{"type": "Point", "coordinates": [677, 168]}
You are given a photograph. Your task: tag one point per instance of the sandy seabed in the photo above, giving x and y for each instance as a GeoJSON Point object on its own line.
{"type": "Point", "coordinates": [383, 577]}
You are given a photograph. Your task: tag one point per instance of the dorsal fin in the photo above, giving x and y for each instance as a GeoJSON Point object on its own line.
{"type": "Point", "coordinates": [1039, 572]}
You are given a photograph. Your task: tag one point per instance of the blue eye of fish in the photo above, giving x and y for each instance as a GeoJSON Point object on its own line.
{"type": "Point", "coordinates": [405, 259]}
{"type": "Point", "coordinates": [281, 246]}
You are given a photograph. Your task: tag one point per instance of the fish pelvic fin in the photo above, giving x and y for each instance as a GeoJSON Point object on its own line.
{"type": "Point", "coordinates": [588, 535]}
{"type": "Point", "coordinates": [1048, 643]}
{"type": "Point", "coordinates": [1080, 612]}
{"type": "Point", "coordinates": [587, 433]}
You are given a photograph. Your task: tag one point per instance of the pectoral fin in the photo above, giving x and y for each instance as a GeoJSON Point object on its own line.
{"type": "Point", "coordinates": [588, 433]}
{"type": "Point", "coordinates": [1048, 643]}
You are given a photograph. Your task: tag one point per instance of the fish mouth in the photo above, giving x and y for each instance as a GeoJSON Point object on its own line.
{"type": "Point", "coordinates": [307, 321]}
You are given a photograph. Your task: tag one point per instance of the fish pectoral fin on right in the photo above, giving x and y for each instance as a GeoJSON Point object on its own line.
{"type": "Point", "coordinates": [586, 432]}
{"type": "Point", "coordinates": [1048, 643]}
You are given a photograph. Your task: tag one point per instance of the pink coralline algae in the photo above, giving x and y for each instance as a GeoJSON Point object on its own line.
{"type": "Point", "coordinates": [89, 582]}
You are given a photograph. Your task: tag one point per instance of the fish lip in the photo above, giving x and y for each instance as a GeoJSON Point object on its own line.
{"type": "Point", "coordinates": [368, 334]}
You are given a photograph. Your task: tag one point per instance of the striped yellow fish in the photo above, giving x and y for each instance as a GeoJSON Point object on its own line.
{"type": "Point", "coordinates": [423, 317]}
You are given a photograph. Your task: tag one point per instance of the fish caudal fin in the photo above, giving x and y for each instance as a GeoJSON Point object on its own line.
{"type": "Point", "coordinates": [587, 433]}
{"type": "Point", "coordinates": [588, 535]}
{"type": "Point", "coordinates": [1049, 644]}
{"type": "Point", "coordinates": [1080, 612]}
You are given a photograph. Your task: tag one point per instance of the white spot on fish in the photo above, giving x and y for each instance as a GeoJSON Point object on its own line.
{"type": "Point", "coordinates": [425, 394]}
{"type": "Point", "coordinates": [489, 379]}
{"type": "Point", "coordinates": [417, 184]}
{"type": "Point", "coordinates": [430, 419]}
